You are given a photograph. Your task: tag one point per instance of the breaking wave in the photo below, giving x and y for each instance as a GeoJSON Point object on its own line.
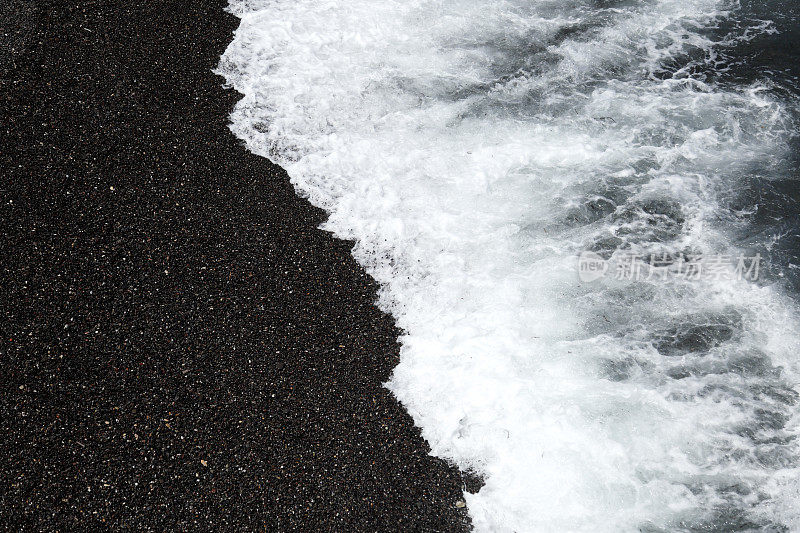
{"type": "Point", "coordinates": [473, 151]}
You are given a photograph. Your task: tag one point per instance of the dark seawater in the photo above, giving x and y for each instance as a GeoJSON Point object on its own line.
{"type": "Point", "coordinates": [763, 209]}
{"type": "Point", "coordinates": [771, 56]}
{"type": "Point", "coordinates": [771, 194]}
{"type": "Point", "coordinates": [764, 206]}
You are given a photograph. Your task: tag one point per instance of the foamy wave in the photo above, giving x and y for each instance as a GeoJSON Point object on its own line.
{"type": "Point", "coordinates": [473, 150]}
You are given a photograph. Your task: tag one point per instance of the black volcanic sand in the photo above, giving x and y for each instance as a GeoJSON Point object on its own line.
{"type": "Point", "coordinates": [181, 348]}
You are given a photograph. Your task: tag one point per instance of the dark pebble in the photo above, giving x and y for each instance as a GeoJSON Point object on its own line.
{"type": "Point", "coordinates": [181, 348]}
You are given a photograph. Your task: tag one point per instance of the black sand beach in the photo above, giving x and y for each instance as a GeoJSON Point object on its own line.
{"type": "Point", "coordinates": [181, 348]}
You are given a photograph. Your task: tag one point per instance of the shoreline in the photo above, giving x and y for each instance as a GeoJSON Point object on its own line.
{"type": "Point", "coordinates": [182, 348]}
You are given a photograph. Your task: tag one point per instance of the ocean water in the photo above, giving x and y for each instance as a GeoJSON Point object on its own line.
{"type": "Point", "coordinates": [475, 151]}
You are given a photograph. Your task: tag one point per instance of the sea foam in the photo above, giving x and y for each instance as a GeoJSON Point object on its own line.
{"type": "Point", "coordinates": [473, 150]}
